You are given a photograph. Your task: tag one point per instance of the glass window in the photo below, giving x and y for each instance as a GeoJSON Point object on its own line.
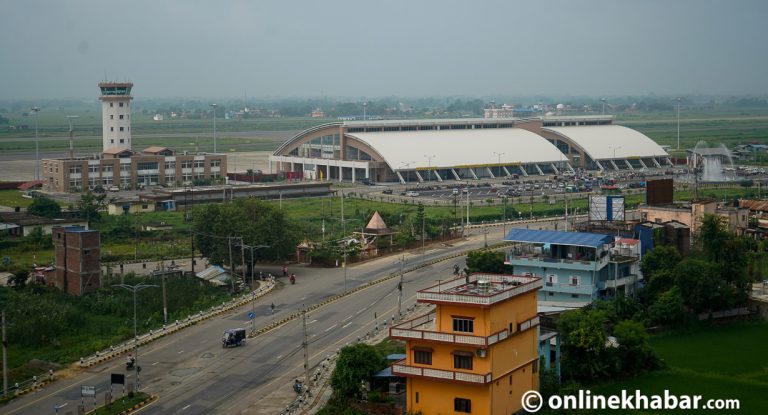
{"type": "Point", "coordinates": [121, 104]}
{"type": "Point", "coordinates": [422, 357]}
{"type": "Point", "coordinates": [111, 128]}
{"type": "Point", "coordinates": [462, 405]}
{"type": "Point", "coordinates": [462, 361]}
{"type": "Point", "coordinates": [111, 104]}
{"type": "Point", "coordinates": [121, 116]}
{"type": "Point", "coordinates": [463, 325]}
{"type": "Point", "coordinates": [111, 117]}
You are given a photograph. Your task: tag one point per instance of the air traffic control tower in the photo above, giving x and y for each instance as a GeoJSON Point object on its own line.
{"type": "Point", "coordinates": [116, 114]}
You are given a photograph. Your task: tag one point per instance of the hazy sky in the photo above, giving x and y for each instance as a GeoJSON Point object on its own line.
{"type": "Point", "coordinates": [360, 48]}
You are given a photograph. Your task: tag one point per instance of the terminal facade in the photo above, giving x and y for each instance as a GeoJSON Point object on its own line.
{"type": "Point", "coordinates": [457, 149]}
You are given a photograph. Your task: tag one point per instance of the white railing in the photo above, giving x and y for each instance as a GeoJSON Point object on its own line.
{"type": "Point", "coordinates": [404, 370]}
{"type": "Point", "coordinates": [409, 333]}
{"type": "Point", "coordinates": [527, 284]}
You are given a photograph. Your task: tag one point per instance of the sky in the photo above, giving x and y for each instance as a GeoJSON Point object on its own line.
{"type": "Point", "coordinates": [366, 49]}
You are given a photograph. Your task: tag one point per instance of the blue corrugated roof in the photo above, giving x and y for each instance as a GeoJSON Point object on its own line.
{"type": "Point", "coordinates": [593, 240]}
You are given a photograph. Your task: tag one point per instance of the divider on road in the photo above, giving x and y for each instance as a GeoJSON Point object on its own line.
{"type": "Point", "coordinates": [113, 351]}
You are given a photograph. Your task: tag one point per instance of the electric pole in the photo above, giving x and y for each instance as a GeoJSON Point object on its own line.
{"type": "Point", "coordinates": [400, 288]}
{"type": "Point", "coordinates": [231, 264]}
{"type": "Point", "coordinates": [165, 299]}
{"type": "Point", "coordinates": [305, 343]}
{"type": "Point", "coordinates": [5, 357]}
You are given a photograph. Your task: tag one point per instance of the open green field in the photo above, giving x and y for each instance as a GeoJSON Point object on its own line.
{"type": "Point", "coordinates": [723, 362]}
{"type": "Point", "coordinates": [12, 197]}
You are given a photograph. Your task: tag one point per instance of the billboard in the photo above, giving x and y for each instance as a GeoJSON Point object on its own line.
{"type": "Point", "coordinates": [659, 192]}
{"type": "Point", "coordinates": [606, 208]}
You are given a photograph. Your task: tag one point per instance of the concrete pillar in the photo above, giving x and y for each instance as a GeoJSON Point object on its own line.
{"type": "Point", "coordinates": [472, 172]}
{"type": "Point", "coordinates": [439, 179]}
{"type": "Point", "coordinates": [490, 173]}
{"type": "Point", "coordinates": [421, 179]}
{"type": "Point", "coordinates": [628, 164]}
{"type": "Point", "coordinates": [353, 174]}
{"type": "Point", "coordinates": [614, 164]}
{"type": "Point", "coordinates": [642, 163]}
{"type": "Point", "coordinates": [522, 170]}
{"type": "Point", "coordinates": [455, 175]}
{"type": "Point", "coordinates": [538, 168]}
{"type": "Point", "coordinates": [506, 171]}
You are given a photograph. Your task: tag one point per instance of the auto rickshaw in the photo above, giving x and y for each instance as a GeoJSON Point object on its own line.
{"type": "Point", "coordinates": [233, 337]}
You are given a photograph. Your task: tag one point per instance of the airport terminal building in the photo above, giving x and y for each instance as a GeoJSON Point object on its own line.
{"type": "Point", "coordinates": [456, 149]}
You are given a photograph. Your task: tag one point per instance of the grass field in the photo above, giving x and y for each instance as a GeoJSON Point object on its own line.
{"type": "Point", "coordinates": [724, 362]}
{"type": "Point", "coordinates": [12, 197]}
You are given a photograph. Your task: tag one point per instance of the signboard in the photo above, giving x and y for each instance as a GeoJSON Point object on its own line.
{"type": "Point", "coordinates": [86, 390]}
{"type": "Point", "coordinates": [118, 378]}
{"type": "Point", "coordinates": [251, 315]}
{"type": "Point", "coordinates": [606, 208]}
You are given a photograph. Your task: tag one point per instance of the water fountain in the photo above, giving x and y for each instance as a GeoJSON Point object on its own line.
{"type": "Point", "coordinates": [708, 161]}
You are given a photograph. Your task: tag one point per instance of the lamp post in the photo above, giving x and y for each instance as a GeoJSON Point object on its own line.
{"type": "Point", "coordinates": [429, 166]}
{"type": "Point", "coordinates": [251, 248]}
{"type": "Point", "coordinates": [214, 126]}
{"type": "Point", "coordinates": [678, 122]}
{"type": "Point", "coordinates": [499, 166]}
{"type": "Point", "coordinates": [135, 288]}
{"type": "Point", "coordinates": [365, 106]}
{"type": "Point", "coordinates": [603, 99]}
{"type": "Point", "coordinates": [36, 110]}
{"type": "Point", "coordinates": [407, 167]}
{"type": "Point", "coordinates": [71, 135]}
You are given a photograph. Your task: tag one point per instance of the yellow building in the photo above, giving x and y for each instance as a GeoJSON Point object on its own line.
{"type": "Point", "coordinates": [477, 352]}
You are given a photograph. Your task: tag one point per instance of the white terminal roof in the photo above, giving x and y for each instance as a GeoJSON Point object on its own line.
{"type": "Point", "coordinates": [406, 150]}
{"type": "Point", "coordinates": [601, 141]}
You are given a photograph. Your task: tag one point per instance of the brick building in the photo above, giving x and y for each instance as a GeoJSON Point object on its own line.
{"type": "Point", "coordinates": [78, 259]}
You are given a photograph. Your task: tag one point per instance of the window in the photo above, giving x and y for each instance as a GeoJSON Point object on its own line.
{"type": "Point", "coordinates": [574, 296]}
{"type": "Point", "coordinates": [170, 165]}
{"type": "Point", "coordinates": [463, 325]}
{"type": "Point", "coordinates": [112, 141]}
{"type": "Point", "coordinates": [215, 163]}
{"type": "Point", "coordinates": [198, 164]}
{"type": "Point", "coordinates": [462, 360]}
{"type": "Point", "coordinates": [121, 116]}
{"type": "Point", "coordinates": [462, 405]}
{"type": "Point", "coordinates": [417, 394]}
{"type": "Point", "coordinates": [111, 104]}
{"type": "Point", "coordinates": [111, 117]}
{"type": "Point", "coordinates": [551, 279]}
{"type": "Point", "coordinates": [122, 141]}
{"type": "Point", "coordinates": [93, 168]}
{"type": "Point", "coordinates": [121, 104]}
{"type": "Point", "coordinates": [422, 357]}
{"type": "Point", "coordinates": [106, 169]}
{"type": "Point", "coordinates": [574, 280]}
{"type": "Point", "coordinates": [535, 366]}
{"type": "Point", "coordinates": [111, 128]}
{"type": "Point", "coordinates": [122, 128]}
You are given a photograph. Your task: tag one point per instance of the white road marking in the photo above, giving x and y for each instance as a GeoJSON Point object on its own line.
{"type": "Point", "coordinates": [313, 321]}
{"type": "Point", "coordinates": [359, 311]}
{"type": "Point", "coordinates": [279, 357]}
{"type": "Point", "coordinates": [346, 325]}
{"type": "Point", "coordinates": [330, 328]}
{"type": "Point", "coordinates": [180, 352]}
{"type": "Point", "coordinates": [155, 363]}
{"type": "Point", "coordinates": [186, 407]}
{"type": "Point", "coordinates": [346, 319]}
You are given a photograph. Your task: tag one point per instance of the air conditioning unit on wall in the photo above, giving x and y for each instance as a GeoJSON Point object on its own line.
{"type": "Point", "coordinates": [481, 353]}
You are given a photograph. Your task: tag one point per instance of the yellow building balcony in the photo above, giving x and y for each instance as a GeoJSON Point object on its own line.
{"type": "Point", "coordinates": [399, 368]}
{"type": "Point", "coordinates": [422, 328]}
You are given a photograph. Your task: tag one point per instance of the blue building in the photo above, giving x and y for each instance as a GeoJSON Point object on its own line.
{"type": "Point", "coordinates": [577, 267]}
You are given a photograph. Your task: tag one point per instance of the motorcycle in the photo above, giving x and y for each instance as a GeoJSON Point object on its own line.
{"type": "Point", "coordinates": [130, 364]}
{"type": "Point", "coordinates": [293, 279]}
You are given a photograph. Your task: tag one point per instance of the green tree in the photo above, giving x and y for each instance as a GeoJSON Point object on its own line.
{"type": "Point", "coordinates": [668, 308]}
{"type": "Point", "coordinates": [701, 285]}
{"type": "Point", "coordinates": [90, 205]}
{"type": "Point", "coordinates": [484, 261]}
{"type": "Point", "coordinates": [45, 207]}
{"type": "Point", "coordinates": [256, 221]}
{"type": "Point", "coordinates": [634, 353]}
{"type": "Point", "coordinates": [660, 258]}
{"type": "Point", "coordinates": [712, 237]}
{"type": "Point", "coordinates": [355, 364]}
{"type": "Point", "coordinates": [583, 344]}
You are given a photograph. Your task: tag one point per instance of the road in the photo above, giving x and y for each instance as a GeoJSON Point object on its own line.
{"type": "Point", "coordinates": [192, 374]}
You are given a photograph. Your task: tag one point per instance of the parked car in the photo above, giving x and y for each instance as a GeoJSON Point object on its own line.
{"type": "Point", "coordinates": [411, 193]}
{"type": "Point", "coordinates": [114, 189]}
{"type": "Point", "coordinates": [455, 191]}
{"type": "Point", "coordinates": [387, 191]}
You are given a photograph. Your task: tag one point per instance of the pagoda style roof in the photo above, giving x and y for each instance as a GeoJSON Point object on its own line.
{"type": "Point", "coordinates": [376, 225]}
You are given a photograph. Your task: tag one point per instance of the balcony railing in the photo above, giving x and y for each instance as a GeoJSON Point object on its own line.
{"type": "Point", "coordinates": [399, 368]}
{"type": "Point", "coordinates": [408, 330]}
{"type": "Point", "coordinates": [517, 286]}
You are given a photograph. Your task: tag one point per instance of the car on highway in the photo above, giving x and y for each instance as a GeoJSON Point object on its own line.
{"type": "Point", "coordinates": [387, 191]}
{"type": "Point", "coordinates": [455, 191]}
{"type": "Point", "coordinates": [411, 193]}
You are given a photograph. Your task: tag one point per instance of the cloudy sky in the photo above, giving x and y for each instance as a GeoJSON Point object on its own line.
{"type": "Point", "coordinates": [308, 48]}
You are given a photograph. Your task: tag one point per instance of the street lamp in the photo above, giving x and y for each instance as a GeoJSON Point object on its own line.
{"type": "Point", "coordinates": [365, 106]}
{"type": "Point", "coordinates": [71, 135]}
{"type": "Point", "coordinates": [135, 288]}
{"type": "Point", "coordinates": [678, 122]}
{"type": "Point", "coordinates": [251, 248]}
{"type": "Point", "coordinates": [214, 126]}
{"type": "Point", "coordinates": [603, 99]}
{"type": "Point", "coordinates": [36, 110]}
{"type": "Point", "coordinates": [407, 167]}
{"type": "Point", "coordinates": [499, 166]}
{"type": "Point", "coordinates": [429, 166]}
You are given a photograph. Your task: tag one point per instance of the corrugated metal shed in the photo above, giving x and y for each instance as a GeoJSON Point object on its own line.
{"type": "Point", "coordinates": [592, 240]}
